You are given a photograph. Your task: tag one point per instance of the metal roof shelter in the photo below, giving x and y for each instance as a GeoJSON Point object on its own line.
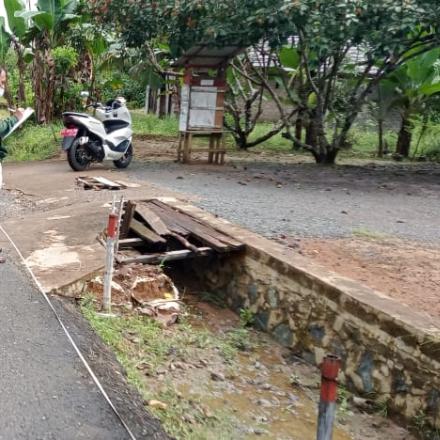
{"type": "Point", "coordinates": [208, 56]}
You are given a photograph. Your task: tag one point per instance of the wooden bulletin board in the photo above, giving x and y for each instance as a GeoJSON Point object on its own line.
{"type": "Point", "coordinates": [202, 105]}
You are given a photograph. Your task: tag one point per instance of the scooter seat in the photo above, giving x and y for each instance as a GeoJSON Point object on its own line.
{"type": "Point", "coordinates": [111, 125]}
{"type": "Point", "coordinates": [81, 115]}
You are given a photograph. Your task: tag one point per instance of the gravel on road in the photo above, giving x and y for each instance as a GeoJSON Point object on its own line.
{"type": "Point", "coordinates": [307, 200]}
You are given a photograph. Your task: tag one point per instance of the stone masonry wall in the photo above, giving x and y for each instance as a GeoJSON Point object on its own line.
{"type": "Point", "coordinates": [390, 353]}
{"type": "Point", "coordinates": [383, 359]}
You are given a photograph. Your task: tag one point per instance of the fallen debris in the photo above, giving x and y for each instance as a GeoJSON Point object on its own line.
{"type": "Point", "coordinates": [98, 183]}
{"type": "Point", "coordinates": [157, 404]}
{"type": "Point", "coordinates": [144, 290]}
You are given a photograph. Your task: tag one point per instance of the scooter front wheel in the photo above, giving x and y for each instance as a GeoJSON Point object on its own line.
{"type": "Point", "coordinates": [78, 156]}
{"type": "Point", "coordinates": [126, 159]}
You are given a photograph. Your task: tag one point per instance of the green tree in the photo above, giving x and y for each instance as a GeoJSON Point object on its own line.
{"type": "Point", "coordinates": [413, 84]}
{"type": "Point", "coordinates": [47, 30]}
{"type": "Point", "coordinates": [18, 29]}
{"type": "Point", "coordinates": [327, 36]}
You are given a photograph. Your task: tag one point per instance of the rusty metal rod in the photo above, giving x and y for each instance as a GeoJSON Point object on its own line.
{"type": "Point", "coordinates": [329, 390]}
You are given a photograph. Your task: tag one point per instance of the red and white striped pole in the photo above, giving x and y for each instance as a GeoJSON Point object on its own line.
{"type": "Point", "coordinates": [112, 232]}
{"type": "Point", "coordinates": [329, 391]}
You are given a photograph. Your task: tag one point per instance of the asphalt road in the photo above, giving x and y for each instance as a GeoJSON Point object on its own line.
{"type": "Point", "coordinates": [306, 200]}
{"type": "Point", "coordinates": [46, 393]}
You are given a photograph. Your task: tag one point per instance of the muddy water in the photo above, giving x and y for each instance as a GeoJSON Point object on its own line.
{"type": "Point", "coordinates": [291, 415]}
{"type": "Point", "coordinates": [257, 388]}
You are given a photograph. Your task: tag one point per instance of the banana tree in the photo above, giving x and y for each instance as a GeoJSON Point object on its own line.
{"type": "Point", "coordinates": [18, 27]}
{"type": "Point", "coordinates": [47, 29]}
{"type": "Point", "coordinates": [5, 43]}
{"type": "Point", "coordinates": [379, 107]}
{"type": "Point", "coordinates": [414, 83]}
{"type": "Point", "coordinates": [5, 40]}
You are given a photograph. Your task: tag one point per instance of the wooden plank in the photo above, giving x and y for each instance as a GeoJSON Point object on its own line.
{"type": "Point", "coordinates": [200, 231]}
{"type": "Point", "coordinates": [164, 257]}
{"type": "Point", "coordinates": [214, 237]}
{"type": "Point", "coordinates": [153, 220]}
{"type": "Point", "coordinates": [184, 241]}
{"type": "Point", "coordinates": [147, 234]}
{"type": "Point", "coordinates": [130, 242]}
{"type": "Point", "coordinates": [106, 182]}
{"type": "Point", "coordinates": [216, 233]}
{"type": "Point", "coordinates": [126, 219]}
{"type": "Point", "coordinates": [169, 220]}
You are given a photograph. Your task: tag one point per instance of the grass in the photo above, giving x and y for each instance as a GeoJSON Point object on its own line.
{"type": "Point", "coordinates": [147, 124]}
{"type": "Point", "coordinates": [275, 144]}
{"type": "Point", "coordinates": [33, 142]}
{"type": "Point", "coordinates": [140, 342]}
{"type": "Point", "coordinates": [368, 234]}
{"type": "Point", "coordinates": [365, 141]}
{"type": "Point", "coordinates": [421, 425]}
{"type": "Point", "coordinates": [343, 401]}
{"type": "Point", "coordinates": [37, 142]}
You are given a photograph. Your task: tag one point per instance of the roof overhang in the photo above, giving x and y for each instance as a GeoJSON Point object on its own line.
{"type": "Point", "coordinates": [208, 56]}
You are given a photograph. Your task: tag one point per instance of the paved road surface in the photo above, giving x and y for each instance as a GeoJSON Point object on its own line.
{"type": "Point", "coordinates": [46, 394]}
{"type": "Point", "coordinates": [308, 200]}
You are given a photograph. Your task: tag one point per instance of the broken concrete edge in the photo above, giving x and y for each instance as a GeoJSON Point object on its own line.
{"type": "Point", "coordinates": [76, 289]}
{"type": "Point", "coordinates": [390, 353]}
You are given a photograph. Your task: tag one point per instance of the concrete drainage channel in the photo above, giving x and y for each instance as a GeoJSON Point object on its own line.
{"type": "Point", "coordinates": [390, 355]}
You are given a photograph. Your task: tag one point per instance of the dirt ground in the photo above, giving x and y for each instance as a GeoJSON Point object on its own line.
{"type": "Point", "coordinates": [406, 271]}
{"type": "Point", "coordinates": [209, 377]}
{"type": "Point", "coordinates": [372, 221]}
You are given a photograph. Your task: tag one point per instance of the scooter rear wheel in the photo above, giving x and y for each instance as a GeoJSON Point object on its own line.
{"type": "Point", "coordinates": [126, 159]}
{"type": "Point", "coordinates": [78, 156]}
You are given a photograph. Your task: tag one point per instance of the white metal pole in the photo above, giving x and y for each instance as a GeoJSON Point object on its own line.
{"type": "Point", "coordinates": [112, 228]}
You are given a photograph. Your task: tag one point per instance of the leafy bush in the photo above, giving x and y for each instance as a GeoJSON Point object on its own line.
{"type": "Point", "coordinates": [65, 58]}
{"type": "Point", "coordinates": [433, 152]}
{"type": "Point", "coordinates": [72, 97]}
{"type": "Point", "coordinates": [121, 84]}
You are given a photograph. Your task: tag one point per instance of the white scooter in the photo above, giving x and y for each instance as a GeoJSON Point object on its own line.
{"type": "Point", "coordinates": [106, 136]}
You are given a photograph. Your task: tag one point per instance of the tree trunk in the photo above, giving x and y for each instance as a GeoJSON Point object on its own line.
{"type": "Point", "coordinates": [162, 104]}
{"type": "Point", "coordinates": [405, 135]}
{"type": "Point", "coordinates": [298, 127]}
{"type": "Point", "coordinates": [21, 66]}
{"type": "Point", "coordinates": [43, 81]}
{"type": "Point", "coordinates": [323, 152]}
{"type": "Point", "coordinates": [380, 134]}
{"type": "Point", "coordinates": [312, 134]}
{"type": "Point", "coordinates": [9, 98]}
{"type": "Point", "coordinates": [241, 140]}
{"type": "Point", "coordinates": [326, 156]}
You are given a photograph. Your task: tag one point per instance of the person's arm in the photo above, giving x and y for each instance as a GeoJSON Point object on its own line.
{"type": "Point", "coordinates": [5, 127]}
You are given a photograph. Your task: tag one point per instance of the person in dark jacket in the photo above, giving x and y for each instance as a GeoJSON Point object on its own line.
{"type": "Point", "coordinates": [6, 124]}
